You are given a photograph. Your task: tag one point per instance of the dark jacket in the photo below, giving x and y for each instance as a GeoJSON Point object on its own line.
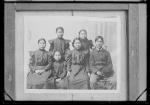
{"type": "Point", "coordinates": [101, 61]}
{"type": "Point", "coordinates": [59, 69]}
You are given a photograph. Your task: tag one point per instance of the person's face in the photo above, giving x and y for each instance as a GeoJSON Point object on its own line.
{"type": "Point", "coordinates": [57, 56]}
{"type": "Point", "coordinates": [60, 33]}
{"type": "Point", "coordinates": [42, 44]}
{"type": "Point", "coordinates": [77, 44]}
{"type": "Point", "coordinates": [83, 35]}
{"type": "Point", "coordinates": [99, 43]}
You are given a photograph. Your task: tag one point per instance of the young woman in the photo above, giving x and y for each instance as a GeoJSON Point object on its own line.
{"type": "Point", "coordinates": [76, 61]}
{"type": "Point", "coordinates": [86, 45]}
{"type": "Point", "coordinates": [59, 44]}
{"type": "Point", "coordinates": [59, 71]}
{"type": "Point", "coordinates": [40, 64]}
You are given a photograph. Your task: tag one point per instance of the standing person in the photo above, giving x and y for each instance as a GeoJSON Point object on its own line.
{"type": "Point", "coordinates": [59, 44]}
{"type": "Point", "coordinates": [59, 71]}
{"type": "Point", "coordinates": [100, 66]}
{"type": "Point", "coordinates": [76, 61]}
{"type": "Point", "coordinates": [86, 45]}
{"type": "Point", "coordinates": [39, 65]}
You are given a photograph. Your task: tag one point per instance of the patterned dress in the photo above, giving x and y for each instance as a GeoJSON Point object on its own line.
{"type": "Point", "coordinates": [39, 60]}
{"type": "Point", "coordinates": [76, 60]}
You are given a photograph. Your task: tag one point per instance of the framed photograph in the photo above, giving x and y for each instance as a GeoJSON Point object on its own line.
{"type": "Point", "coordinates": [72, 51]}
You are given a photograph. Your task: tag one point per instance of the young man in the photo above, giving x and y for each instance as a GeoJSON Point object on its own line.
{"type": "Point", "coordinates": [100, 66]}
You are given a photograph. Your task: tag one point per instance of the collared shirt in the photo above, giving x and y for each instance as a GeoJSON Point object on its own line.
{"type": "Point", "coordinates": [99, 49]}
{"type": "Point", "coordinates": [100, 60]}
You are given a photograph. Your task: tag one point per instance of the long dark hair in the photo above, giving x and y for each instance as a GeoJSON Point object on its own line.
{"type": "Point", "coordinates": [75, 40]}
{"type": "Point", "coordinates": [59, 28]}
{"type": "Point", "coordinates": [99, 37]}
{"type": "Point", "coordinates": [82, 30]}
{"type": "Point", "coordinates": [53, 53]}
{"type": "Point", "coordinates": [41, 39]}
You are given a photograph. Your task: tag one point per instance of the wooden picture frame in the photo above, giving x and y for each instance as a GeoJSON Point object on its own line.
{"type": "Point", "coordinates": [136, 48]}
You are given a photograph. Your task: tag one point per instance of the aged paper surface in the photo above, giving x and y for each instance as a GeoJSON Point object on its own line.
{"type": "Point", "coordinates": [111, 25]}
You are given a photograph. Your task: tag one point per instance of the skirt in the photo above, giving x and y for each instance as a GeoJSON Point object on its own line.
{"type": "Point", "coordinates": [62, 84]}
{"type": "Point", "coordinates": [78, 78]}
{"type": "Point", "coordinates": [35, 80]}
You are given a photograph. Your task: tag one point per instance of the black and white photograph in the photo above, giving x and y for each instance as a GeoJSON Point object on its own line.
{"type": "Point", "coordinates": [75, 51]}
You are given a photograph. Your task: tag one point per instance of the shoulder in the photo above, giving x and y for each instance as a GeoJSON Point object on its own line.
{"type": "Point", "coordinates": [87, 40]}
{"type": "Point", "coordinates": [106, 51]}
{"type": "Point", "coordinates": [49, 53]}
{"type": "Point", "coordinates": [54, 64]}
{"type": "Point", "coordinates": [31, 53]}
{"type": "Point", "coordinates": [63, 63]}
{"type": "Point", "coordinates": [69, 52]}
{"type": "Point", "coordinates": [93, 50]}
{"type": "Point", "coordinates": [67, 41]}
{"type": "Point", "coordinates": [51, 41]}
{"type": "Point", "coordinates": [90, 41]}
{"type": "Point", "coordinates": [85, 52]}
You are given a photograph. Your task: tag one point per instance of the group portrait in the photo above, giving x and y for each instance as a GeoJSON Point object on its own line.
{"type": "Point", "coordinates": [72, 53]}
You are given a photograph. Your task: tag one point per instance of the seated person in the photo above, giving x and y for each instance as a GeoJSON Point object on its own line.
{"type": "Point", "coordinates": [100, 66]}
{"type": "Point", "coordinates": [76, 67]}
{"type": "Point", "coordinates": [39, 65]}
{"type": "Point", "coordinates": [59, 71]}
